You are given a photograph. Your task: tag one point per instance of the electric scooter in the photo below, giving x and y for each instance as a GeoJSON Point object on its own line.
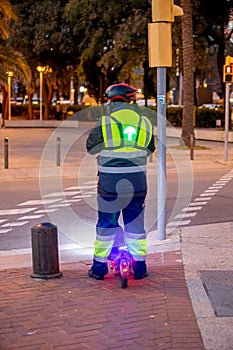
{"type": "Point", "coordinates": [122, 265]}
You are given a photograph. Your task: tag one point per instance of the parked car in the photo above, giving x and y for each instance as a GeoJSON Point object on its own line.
{"type": "Point", "coordinates": [19, 100]}
{"type": "Point", "coordinates": [212, 106]}
{"type": "Point", "coordinates": [150, 102]}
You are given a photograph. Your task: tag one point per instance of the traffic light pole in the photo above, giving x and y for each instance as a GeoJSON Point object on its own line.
{"type": "Point", "coordinates": [227, 95]}
{"type": "Point", "coordinates": [160, 56]}
{"type": "Point", "coordinates": [161, 145]}
{"type": "Point", "coordinates": [227, 79]}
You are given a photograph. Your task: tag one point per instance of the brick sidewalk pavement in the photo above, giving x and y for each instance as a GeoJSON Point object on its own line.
{"type": "Point", "coordinates": [78, 313]}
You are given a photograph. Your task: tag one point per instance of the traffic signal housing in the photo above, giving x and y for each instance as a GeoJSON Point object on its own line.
{"type": "Point", "coordinates": [165, 11]}
{"type": "Point", "coordinates": [160, 34]}
{"type": "Point", "coordinates": [228, 73]}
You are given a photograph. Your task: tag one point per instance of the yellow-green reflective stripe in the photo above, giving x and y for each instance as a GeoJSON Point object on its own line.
{"type": "Point", "coordinates": [142, 134]}
{"type": "Point", "coordinates": [109, 129]}
{"type": "Point", "coordinates": [104, 131]}
{"type": "Point", "coordinates": [102, 249]}
{"type": "Point", "coordinates": [137, 247]}
{"type": "Point", "coordinates": [149, 129]}
{"type": "Point", "coordinates": [145, 132]}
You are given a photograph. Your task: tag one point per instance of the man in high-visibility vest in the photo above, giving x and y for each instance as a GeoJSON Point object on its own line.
{"type": "Point", "coordinates": [123, 139]}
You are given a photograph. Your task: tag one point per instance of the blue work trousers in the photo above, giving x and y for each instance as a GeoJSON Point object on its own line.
{"type": "Point", "coordinates": [110, 208]}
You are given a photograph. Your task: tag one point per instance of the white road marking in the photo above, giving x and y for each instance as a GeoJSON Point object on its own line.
{"type": "Point", "coordinates": [72, 200]}
{"type": "Point", "coordinates": [5, 231]}
{"type": "Point", "coordinates": [83, 196]}
{"type": "Point", "coordinates": [215, 186]}
{"type": "Point", "coordinates": [29, 217]}
{"type": "Point", "coordinates": [201, 199]}
{"type": "Point", "coordinates": [16, 211]}
{"type": "Point", "coordinates": [45, 211]}
{"type": "Point", "coordinates": [94, 182]}
{"type": "Point", "coordinates": [81, 187]}
{"type": "Point", "coordinates": [207, 194]}
{"type": "Point", "coordinates": [56, 199]}
{"type": "Point", "coordinates": [190, 209]}
{"type": "Point", "coordinates": [180, 216]}
{"type": "Point", "coordinates": [179, 223]}
{"type": "Point", "coordinates": [209, 190]}
{"type": "Point", "coordinates": [198, 203]}
{"type": "Point", "coordinates": [13, 224]}
{"type": "Point", "coordinates": [59, 205]}
{"type": "Point", "coordinates": [39, 202]}
{"type": "Point", "coordinates": [62, 194]}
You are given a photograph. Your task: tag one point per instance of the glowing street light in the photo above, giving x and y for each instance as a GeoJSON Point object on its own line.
{"type": "Point", "coordinates": [9, 76]}
{"type": "Point", "coordinates": [41, 70]}
{"type": "Point", "coordinates": [72, 90]}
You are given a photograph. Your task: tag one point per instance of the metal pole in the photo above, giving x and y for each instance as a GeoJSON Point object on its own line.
{"type": "Point", "coordinates": [226, 120]}
{"type": "Point", "coordinates": [6, 153]}
{"type": "Point", "coordinates": [180, 89]}
{"type": "Point", "coordinates": [41, 97]}
{"type": "Point", "coordinates": [58, 151]}
{"type": "Point", "coordinates": [191, 147]}
{"type": "Point", "coordinates": [161, 144]}
{"type": "Point", "coordinates": [9, 95]}
{"type": "Point", "coordinates": [71, 91]}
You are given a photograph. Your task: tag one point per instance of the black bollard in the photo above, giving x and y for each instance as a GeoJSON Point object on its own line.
{"type": "Point", "coordinates": [45, 251]}
{"type": "Point", "coordinates": [6, 153]}
{"type": "Point", "coordinates": [58, 151]}
{"type": "Point", "coordinates": [192, 144]}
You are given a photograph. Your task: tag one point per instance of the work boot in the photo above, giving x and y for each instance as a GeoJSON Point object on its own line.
{"type": "Point", "coordinates": [140, 270]}
{"type": "Point", "coordinates": [98, 270]}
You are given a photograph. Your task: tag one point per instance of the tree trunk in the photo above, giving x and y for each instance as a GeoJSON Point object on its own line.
{"type": "Point", "coordinates": [4, 103]}
{"type": "Point", "coordinates": [188, 72]}
{"type": "Point", "coordinates": [47, 95]}
{"type": "Point", "coordinates": [30, 111]}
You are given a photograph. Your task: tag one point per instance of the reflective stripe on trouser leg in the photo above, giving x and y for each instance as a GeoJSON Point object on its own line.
{"type": "Point", "coordinates": [103, 246]}
{"type": "Point", "coordinates": [137, 245]}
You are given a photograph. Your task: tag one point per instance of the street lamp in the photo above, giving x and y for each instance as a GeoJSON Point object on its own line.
{"type": "Point", "coordinates": [9, 76]}
{"type": "Point", "coordinates": [41, 70]}
{"type": "Point", "coordinates": [72, 90]}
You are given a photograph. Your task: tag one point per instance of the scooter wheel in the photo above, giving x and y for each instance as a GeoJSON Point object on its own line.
{"type": "Point", "coordinates": [124, 282]}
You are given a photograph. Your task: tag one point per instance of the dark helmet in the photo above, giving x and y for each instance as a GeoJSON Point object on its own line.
{"type": "Point", "coordinates": [120, 92]}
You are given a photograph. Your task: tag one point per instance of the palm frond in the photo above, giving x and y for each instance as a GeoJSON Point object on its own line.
{"type": "Point", "coordinates": [6, 16]}
{"type": "Point", "coordinates": [12, 60]}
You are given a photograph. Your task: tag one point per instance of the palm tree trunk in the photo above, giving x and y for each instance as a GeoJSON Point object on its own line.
{"type": "Point", "coordinates": [30, 111]}
{"type": "Point", "coordinates": [188, 72]}
{"type": "Point", "coordinates": [4, 103]}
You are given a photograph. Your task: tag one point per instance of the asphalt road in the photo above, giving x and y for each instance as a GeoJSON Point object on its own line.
{"type": "Point", "coordinates": [21, 206]}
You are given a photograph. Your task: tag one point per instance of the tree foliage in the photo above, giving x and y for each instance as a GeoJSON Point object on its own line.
{"type": "Point", "coordinates": [10, 58]}
{"type": "Point", "coordinates": [205, 22]}
{"type": "Point", "coordinates": [114, 36]}
{"type": "Point", "coordinates": [211, 21]}
{"type": "Point", "coordinates": [7, 15]}
{"type": "Point", "coordinates": [99, 43]}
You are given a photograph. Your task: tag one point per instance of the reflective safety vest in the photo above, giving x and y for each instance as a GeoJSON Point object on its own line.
{"type": "Point", "coordinates": [126, 135]}
{"type": "Point", "coordinates": [136, 243]}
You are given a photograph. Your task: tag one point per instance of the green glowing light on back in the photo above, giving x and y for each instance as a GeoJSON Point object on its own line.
{"type": "Point", "coordinates": [130, 133]}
